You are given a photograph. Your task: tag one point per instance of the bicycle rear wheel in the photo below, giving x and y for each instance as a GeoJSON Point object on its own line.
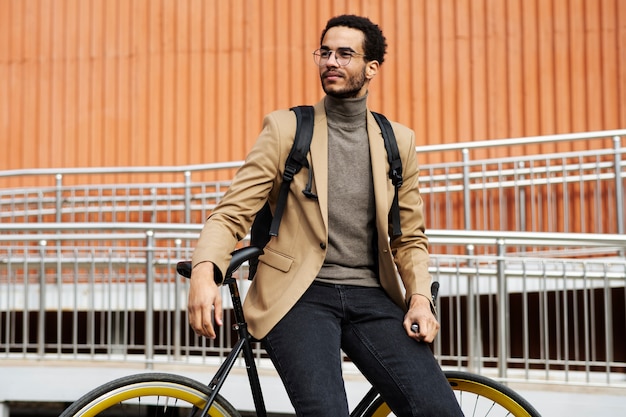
{"type": "Point", "coordinates": [477, 396]}
{"type": "Point", "coordinates": [150, 394]}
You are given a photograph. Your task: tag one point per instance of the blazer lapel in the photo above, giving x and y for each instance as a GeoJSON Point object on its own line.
{"type": "Point", "coordinates": [319, 159]}
{"type": "Point", "coordinates": [383, 189]}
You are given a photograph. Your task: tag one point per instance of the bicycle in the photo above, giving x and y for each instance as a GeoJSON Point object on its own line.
{"type": "Point", "coordinates": [160, 394]}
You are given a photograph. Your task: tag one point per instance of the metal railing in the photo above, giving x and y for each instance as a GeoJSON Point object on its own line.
{"type": "Point", "coordinates": [574, 192]}
{"type": "Point", "coordinates": [114, 294]}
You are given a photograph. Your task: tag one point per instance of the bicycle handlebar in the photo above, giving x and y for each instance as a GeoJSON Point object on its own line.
{"type": "Point", "coordinates": [239, 256]}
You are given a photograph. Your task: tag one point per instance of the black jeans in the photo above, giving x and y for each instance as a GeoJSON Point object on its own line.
{"type": "Point", "coordinates": [305, 349]}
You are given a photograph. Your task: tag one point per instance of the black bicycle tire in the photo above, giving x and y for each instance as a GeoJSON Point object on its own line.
{"type": "Point", "coordinates": [102, 398]}
{"type": "Point", "coordinates": [507, 398]}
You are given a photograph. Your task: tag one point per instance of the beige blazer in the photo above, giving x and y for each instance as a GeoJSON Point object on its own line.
{"type": "Point", "coordinates": [292, 260]}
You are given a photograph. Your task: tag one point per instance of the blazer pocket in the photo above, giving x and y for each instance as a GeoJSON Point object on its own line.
{"type": "Point", "coordinates": [276, 260]}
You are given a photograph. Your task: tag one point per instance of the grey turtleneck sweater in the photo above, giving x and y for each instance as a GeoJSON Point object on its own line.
{"type": "Point", "coordinates": [351, 215]}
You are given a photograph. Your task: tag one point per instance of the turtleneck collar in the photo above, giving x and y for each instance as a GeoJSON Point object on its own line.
{"type": "Point", "coordinates": [345, 108]}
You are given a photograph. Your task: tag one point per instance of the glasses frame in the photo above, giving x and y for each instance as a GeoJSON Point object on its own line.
{"type": "Point", "coordinates": [321, 61]}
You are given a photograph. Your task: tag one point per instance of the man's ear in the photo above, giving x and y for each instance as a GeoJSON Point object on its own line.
{"type": "Point", "coordinates": [371, 69]}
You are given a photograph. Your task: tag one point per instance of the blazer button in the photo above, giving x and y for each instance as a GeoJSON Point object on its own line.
{"type": "Point", "coordinates": [323, 245]}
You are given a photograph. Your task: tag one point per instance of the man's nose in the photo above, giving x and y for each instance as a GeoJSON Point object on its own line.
{"type": "Point", "coordinates": [333, 55]}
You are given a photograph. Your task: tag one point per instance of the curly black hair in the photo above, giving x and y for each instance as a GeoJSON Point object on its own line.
{"type": "Point", "coordinates": [375, 45]}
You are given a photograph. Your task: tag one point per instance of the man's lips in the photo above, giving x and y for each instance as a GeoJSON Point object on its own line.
{"type": "Point", "coordinates": [331, 75]}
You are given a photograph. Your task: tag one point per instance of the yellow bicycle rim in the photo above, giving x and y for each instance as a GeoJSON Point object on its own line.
{"type": "Point", "coordinates": [494, 395]}
{"type": "Point", "coordinates": [148, 389]}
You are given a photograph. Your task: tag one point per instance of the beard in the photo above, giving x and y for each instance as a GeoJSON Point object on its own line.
{"type": "Point", "coordinates": [352, 88]}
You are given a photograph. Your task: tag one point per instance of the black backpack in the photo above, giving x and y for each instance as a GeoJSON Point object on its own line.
{"type": "Point", "coordinates": [266, 225]}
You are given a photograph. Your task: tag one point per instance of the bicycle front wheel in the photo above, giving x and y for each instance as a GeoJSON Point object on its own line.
{"type": "Point", "coordinates": [477, 396]}
{"type": "Point", "coordinates": [150, 394]}
{"type": "Point", "coordinates": [481, 396]}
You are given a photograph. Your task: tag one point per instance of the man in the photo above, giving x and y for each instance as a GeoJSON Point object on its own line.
{"type": "Point", "coordinates": [328, 281]}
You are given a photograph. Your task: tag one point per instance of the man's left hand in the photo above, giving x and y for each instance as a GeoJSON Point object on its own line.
{"type": "Point", "coordinates": [421, 314]}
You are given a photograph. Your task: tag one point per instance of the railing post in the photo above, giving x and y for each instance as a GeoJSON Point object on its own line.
{"type": "Point", "coordinates": [59, 198]}
{"type": "Point", "coordinates": [522, 199]}
{"type": "Point", "coordinates": [149, 331]}
{"type": "Point", "coordinates": [503, 311]}
{"type": "Point", "coordinates": [467, 206]}
{"type": "Point", "coordinates": [177, 306]}
{"type": "Point", "coordinates": [41, 323]}
{"type": "Point", "coordinates": [472, 324]}
{"type": "Point", "coordinates": [187, 197]}
{"type": "Point", "coordinates": [619, 186]}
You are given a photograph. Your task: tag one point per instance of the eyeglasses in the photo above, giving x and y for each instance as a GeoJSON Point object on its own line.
{"type": "Point", "coordinates": [342, 56]}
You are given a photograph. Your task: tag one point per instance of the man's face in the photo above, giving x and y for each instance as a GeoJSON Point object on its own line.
{"type": "Point", "coordinates": [351, 80]}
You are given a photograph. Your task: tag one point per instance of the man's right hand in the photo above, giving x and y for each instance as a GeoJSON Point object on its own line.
{"type": "Point", "coordinates": [205, 301]}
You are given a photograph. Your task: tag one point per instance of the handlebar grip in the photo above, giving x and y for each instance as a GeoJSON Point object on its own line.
{"type": "Point", "coordinates": [239, 256]}
{"type": "Point", "coordinates": [434, 290]}
{"type": "Point", "coordinates": [184, 268]}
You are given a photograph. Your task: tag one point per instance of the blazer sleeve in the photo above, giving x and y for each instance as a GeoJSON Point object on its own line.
{"type": "Point", "coordinates": [411, 248]}
{"type": "Point", "coordinates": [250, 188]}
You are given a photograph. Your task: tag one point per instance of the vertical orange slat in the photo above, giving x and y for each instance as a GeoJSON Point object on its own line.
{"type": "Point", "coordinates": [432, 89]}
{"type": "Point", "coordinates": [384, 94]}
{"type": "Point", "coordinates": [396, 78]}
{"type": "Point", "coordinates": [497, 69]}
{"type": "Point", "coordinates": [220, 69]}
{"type": "Point", "coordinates": [253, 77]}
{"type": "Point", "coordinates": [154, 85]}
{"type": "Point", "coordinates": [610, 62]}
{"type": "Point", "coordinates": [138, 84]}
{"type": "Point", "coordinates": [463, 70]}
{"type": "Point", "coordinates": [449, 85]}
{"type": "Point", "coordinates": [14, 96]}
{"type": "Point", "coordinates": [109, 148]}
{"type": "Point", "coordinates": [312, 22]}
{"type": "Point", "coordinates": [83, 85]}
{"type": "Point", "coordinates": [194, 138]}
{"type": "Point", "coordinates": [210, 69]}
{"type": "Point", "coordinates": [479, 72]}
{"type": "Point", "coordinates": [127, 63]}
{"type": "Point", "coordinates": [577, 66]}
{"type": "Point", "coordinates": [179, 106]}
{"type": "Point", "coordinates": [269, 69]}
{"type": "Point", "coordinates": [593, 65]}
{"type": "Point", "coordinates": [530, 69]}
{"type": "Point", "coordinates": [54, 107]}
{"type": "Point", "coordinates": [562, 68]}
{"type": "Point", "coordinates": [236, 141]}
{"type": "Point", "coordinates": [96, 84]}
{"type": "Point", "coordinates": [34, 80]}
{"type": "Point", "coordinates": [168, 83]}
{"type": "Point", "coordinates": [416, 62]}
{"type": "Point", "coordinates": [515, 73]}
{"type": "Point", "coordinates": [65, 146]}
{"type": "Point", "coordinates": [5, 87]}
{"type": "Point", "coordinates": [620, 17]}
{"type": "Point", "coordinates": [545, 19]}
{"type": "Point", "coordinates": [23, 95]}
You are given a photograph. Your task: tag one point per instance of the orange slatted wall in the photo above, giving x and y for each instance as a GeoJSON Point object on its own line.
{"type": "Point", "coordinates": [170, 82]}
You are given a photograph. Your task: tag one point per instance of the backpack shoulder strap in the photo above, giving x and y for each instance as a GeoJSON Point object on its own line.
{"type": "Point", "coordinates": [295, 160]}
{"type": "Point", "coordinates": [395, 167]}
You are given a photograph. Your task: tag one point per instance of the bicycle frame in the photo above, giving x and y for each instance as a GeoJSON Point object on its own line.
{"type": "Point", "coordinates": [244, 342]}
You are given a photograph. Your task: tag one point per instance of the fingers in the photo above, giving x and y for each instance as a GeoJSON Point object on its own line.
{"type": "Point", "coordinates": [201, 318]}
{"type": "Point", "coordinates": [421, 327]}
{"type": "Point", "coordinates": [218, 311]}
{"type": "Point", "coordinates": [204, 304]}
